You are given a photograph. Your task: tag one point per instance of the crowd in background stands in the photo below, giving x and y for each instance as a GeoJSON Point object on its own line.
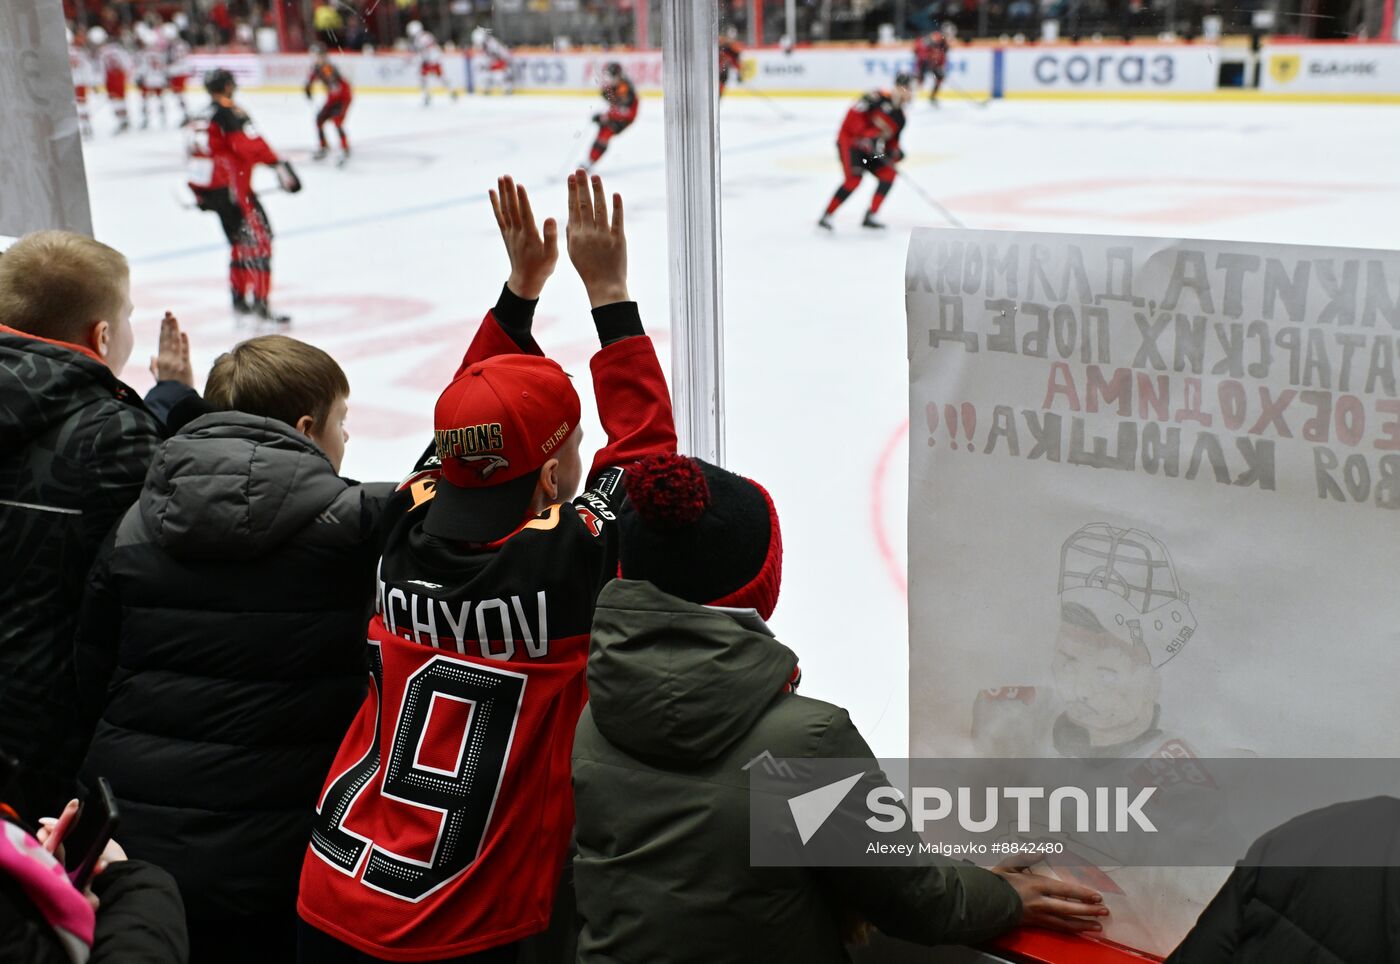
{"type": "Point", "coordinates": [359, 24]}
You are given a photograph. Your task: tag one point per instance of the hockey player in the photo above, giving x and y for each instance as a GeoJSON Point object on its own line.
{"type": "Point", "coordinates": [83, 78]}
{"type": "Point", "coordinates": [730, 58]}
{"type": "Point", "coordinates": [425, 45]}
{"type": "Point", "coordinates": [622, 100]}
{"type": "Point", "coordinates": [444, 826]}
{"type": "Point", "coordinates": [931, 57]}
{"type": "Point", "coordinates": [115, 66]}
{"type": "Point", "coordinates": [494, 58]}
{"type": "Point", "coordinates": [869, 141]}
{"type": "Point", "coordinates": [223, 149]}
{"type": "Point", "coordinates": [151, 78]}
{"type": "Point", "coordinates": [337, 105]}
{"type": "Point", "coordinates": [177, 66]}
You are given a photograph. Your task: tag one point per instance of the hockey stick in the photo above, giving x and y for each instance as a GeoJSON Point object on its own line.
{"type": "Point", "coordinates": [979, 103]}
{"type": "Point", "coordinates": [569, 164]}
{"type": "Point", "coordinates": [931, 200]}
{"type": "Point", "coordinates": [183, 199]}
{"type": "Point", "coordinates": [782, 114]}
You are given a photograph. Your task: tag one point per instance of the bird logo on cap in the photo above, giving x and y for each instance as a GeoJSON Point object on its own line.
{"type": "Point", "coordinates": [493, 464]}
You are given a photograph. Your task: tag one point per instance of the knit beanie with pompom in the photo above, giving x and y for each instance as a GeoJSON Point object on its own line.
{"type": "Point", "coordinates": [702, 533]}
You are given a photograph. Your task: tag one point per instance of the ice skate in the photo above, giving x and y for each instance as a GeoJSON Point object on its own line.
{"type": "Point", "coordinates": [825, 222]}
{"type": "Point", "coordinates": [263, 312]}
{"type": "Point", "coordinates": [870, 222]}
{"type": "Point", "coordinates": [321, 153]}
{"type": "Point", "coordinates": [344, 158]}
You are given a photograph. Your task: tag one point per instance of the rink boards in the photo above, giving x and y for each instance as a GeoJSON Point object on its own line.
{"type": "Point", "coordinates": [1342, 72]}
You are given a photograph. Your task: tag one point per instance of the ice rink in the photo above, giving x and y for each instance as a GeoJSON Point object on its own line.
{"type": "Point", "coordinates": [390, 262]}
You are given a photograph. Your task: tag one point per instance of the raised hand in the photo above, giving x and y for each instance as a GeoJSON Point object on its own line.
{"type": "Point", "coordinates": [172, 359]}
{"type": "Point", "coordinates": [532, 256]}
{"type": "Point", "coordinates": [597, 244]}
{"type": "Point", "coordinates": [1053, 903]}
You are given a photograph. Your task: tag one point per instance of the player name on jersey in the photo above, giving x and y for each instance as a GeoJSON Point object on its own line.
{"type": "Point", "coordinates": [429, 621]}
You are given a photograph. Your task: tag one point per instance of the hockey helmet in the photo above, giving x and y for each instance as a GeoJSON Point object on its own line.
{"type": "Point", "coordinates": [1126, 579]}
{"type": "Point", "coordinates": [219, 81]}
{"type": "Point", "coordinates": [169, 31]}
{"type": "Point", "coordinates": [612, 69]}
{"type": "Point", "coordinates": [414, 28]}
{"type": "Point", "coordinates": [96, 36]}
{"type": "Point", "coordinates": [904, 80]}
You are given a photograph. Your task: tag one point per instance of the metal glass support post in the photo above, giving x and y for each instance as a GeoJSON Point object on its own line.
{"type": "Point", "coordinates": [690, 78]}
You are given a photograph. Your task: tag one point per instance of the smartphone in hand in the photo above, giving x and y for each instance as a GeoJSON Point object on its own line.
{"type": "Point", "coordinates": [84, 842]}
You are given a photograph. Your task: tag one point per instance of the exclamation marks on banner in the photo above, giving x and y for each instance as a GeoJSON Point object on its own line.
{"type": "Point", "coordinates": [962, 417]}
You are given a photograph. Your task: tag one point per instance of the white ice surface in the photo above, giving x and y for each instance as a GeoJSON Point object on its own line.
{"type": "Point", "coordinates": [390, 263]}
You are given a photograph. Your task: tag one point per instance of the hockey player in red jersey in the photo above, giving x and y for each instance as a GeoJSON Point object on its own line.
{"type": "Point", "coordinates": [337, 105]}
{"type": "Point", "coordinates": [445, 822]}
{"type": "Point", "coordinates": [115, 66]}
{"type": "Point", "coordinates": [931, 57]}
{"type": "Point", "coordinates": [730, 58]}
{"type": "Point", "coordinates": [621, 96]}
{"type": "Point", "coordinates": [223, 149]}
{"type": "Point", "coordinates": [869, 141]}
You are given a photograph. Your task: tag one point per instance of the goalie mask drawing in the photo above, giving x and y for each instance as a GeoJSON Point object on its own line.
{"type": "Point", "coordinates": [1123, 615]}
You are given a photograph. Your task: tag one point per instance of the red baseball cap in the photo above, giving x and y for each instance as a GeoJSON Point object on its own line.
{"type": "Point", "coordinates": [495, 426]}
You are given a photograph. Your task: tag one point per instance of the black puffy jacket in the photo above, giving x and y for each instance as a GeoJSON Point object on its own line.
{"type": "Point", "coordinates": [74, 446]}
{"type": "Point", "coordinates": [1268, 912]}
{"type": "Point", "coordinates": [223, 645]}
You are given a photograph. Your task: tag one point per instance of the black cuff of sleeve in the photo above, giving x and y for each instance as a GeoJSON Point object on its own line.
{"type": "Point", "coordinates": [617, 321]}
{"type": "Point", "coordinates": [516, 315]}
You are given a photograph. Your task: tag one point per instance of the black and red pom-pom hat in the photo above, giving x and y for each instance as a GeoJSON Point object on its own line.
{"type": "Point", "coordinates": [701, 533]}
{"type": "Point", "coordinates": [495, 426]}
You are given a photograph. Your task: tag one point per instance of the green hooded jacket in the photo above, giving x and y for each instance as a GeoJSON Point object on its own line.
{"type": "Point", "coordinates": [681, 698]}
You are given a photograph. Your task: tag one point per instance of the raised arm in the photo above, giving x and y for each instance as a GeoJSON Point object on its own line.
{"type": "Point", "coordinates": [506, 328]}
{"type": "Point", "coordinates": [634, 404]}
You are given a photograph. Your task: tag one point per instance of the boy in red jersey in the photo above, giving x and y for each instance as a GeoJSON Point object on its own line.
{"type": "Point", "coordinates": [444, 827]}
{"type": "Point", "coordinates": [869, 141]}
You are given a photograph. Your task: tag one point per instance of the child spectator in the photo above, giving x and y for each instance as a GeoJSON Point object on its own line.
{"type": "Point", "coordinates": [682, 697]}
{"type": "Point", "coordinates": [222, 641]}
{"type": "Point", "coordinates": [444, 826]}
{"type": "Point", "coordinates": [74, 445]}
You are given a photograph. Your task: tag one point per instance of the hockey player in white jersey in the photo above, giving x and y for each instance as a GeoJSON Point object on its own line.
{"type": "Point", "coordinates": [114, 64]}
{"type": "Point", "coordinates": [84, 79]}
{"type": "Point", "coordinates": [491, 60]}
{"type": "Point", "coordinates": [151, 72]}
{"type": "Point", "coordinates": [425, 45]}
{"type": "Point", "coordinates": [177, 66]}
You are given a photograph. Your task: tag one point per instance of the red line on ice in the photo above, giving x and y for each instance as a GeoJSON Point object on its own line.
{"type": "Point", "coordinates": [877, 509]}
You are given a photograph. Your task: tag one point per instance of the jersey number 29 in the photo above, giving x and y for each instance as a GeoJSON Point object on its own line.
{"type": "Point", "coordinates": [464, 794]}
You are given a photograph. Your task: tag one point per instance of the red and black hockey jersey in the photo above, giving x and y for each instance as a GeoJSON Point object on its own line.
{"type": "Point", "coordinates": [222, 149]}
{"type": "Point", "coordinates": [931, 50]}
{"type": "Point", "coordinates": [875, 118]}
{"type": "Point", "coordinates": [337, 87]}
{"type": "Point", "coordinates": [622, 99]}
{"type": "Point", "coordinates": [446, 818]}
{"type": "Point", "coordinates": [730, 58]}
